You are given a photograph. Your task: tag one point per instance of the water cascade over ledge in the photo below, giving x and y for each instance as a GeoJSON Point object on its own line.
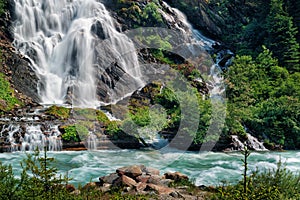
{"type": "Point", "coordinates": [60, 38]}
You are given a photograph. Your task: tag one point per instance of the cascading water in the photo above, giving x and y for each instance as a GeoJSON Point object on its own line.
{"type": "Point", "coordinates": [31, 138]}
{"type": "Point", "coordinates": [92, 141]}
{"type": "Point", "coordinates": [59, 37]}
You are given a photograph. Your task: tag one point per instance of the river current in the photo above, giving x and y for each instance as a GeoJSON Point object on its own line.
{"type": "Point", "coordinates": [204, 168]}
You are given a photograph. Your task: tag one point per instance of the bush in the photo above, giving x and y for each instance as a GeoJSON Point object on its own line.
{"type": "Point", "coordinates": [70, 133]}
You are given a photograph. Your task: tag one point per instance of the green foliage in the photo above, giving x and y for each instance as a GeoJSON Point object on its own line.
{"type": "Point", "coordinates": [281, 38]}
{"type": "Point", "coordinates": [2, 6]}
{"type": "Point", "coordinates": [141, 116]}
{"type": "Point", "coordinates": [38, 180]}
{"type": "Point", "coordinates": [59, 112]}
{"type": "Point", "coordinates": [278, 120]}
{"type": "Point", "coordinates": [7, 99]}
{"type": "Point", "coordinates": [197, 111]}
{"type": "Point", "coordinates": [145, 122]}
{"type": "Point", "coordinates": [75, 133]}
{"type": "Point", "coordinates": [263, 97]}
{"type": "Point", "coordinates": [138, 15]}
{"type": "Point", "coordinates": [101, 117]}
{"type": "Point", "coordinates": [113, 128]}
{"type": "Point", "coordinates": [151, 14]}
{"type": "Point", "coordinates": [8, 183]}
{"type": "Point", "coordinates": [278, 183]}
{"type": "Point", "coordinates": [43, 182]}
{"type": "Point", "coordinates": [70, 133]}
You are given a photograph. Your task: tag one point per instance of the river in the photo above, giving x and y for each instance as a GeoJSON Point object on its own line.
{"type": "Point", "coordinates": [205, 168]}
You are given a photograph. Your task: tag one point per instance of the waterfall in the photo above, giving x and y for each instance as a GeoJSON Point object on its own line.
{"type": "Point", "coordinates": [252, 143]}
{"type": "Point", "coordinates": [59, 38]}
{"type": "Point", "coordinates": [92, 141]}
{"type": "Point", "coordinates": [12, 130]}
{"type": "Point", "coordinates": [31, 137]}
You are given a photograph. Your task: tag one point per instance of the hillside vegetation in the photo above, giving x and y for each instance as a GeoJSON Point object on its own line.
{"type": "Point", "coordinates": [262, 81]}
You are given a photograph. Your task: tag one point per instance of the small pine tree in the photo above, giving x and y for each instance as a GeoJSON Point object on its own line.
{"type": "Point", "coordinates": [39, 179]}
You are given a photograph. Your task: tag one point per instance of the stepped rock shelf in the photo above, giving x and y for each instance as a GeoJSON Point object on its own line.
{"type": "Point", "coordinates": [34, 128]}
{"type": "Point", "coordinates": [28, 129]}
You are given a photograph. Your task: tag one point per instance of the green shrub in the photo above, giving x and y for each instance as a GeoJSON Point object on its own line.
{"type": "Point", "coordinates": [151, 14]}
{"type": "Point", "coordinates": [70, 133]}
{"type": "Point", "coordinates": [113, 128]}
{"type": "Point", "coordinates": [101, 117]}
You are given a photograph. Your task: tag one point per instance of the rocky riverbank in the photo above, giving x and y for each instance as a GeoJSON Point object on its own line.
{"type": "Point", "coordinates": [142, 180]}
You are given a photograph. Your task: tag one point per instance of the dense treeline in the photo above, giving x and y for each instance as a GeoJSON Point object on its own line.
{"type": "Point", "coordinates": [263, 80]}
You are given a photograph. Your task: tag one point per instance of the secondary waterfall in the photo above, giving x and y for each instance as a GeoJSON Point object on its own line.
{"type": "Point", "coordinates": [59, 38]}
{"type": "Point", "coordinates": [35, 137]}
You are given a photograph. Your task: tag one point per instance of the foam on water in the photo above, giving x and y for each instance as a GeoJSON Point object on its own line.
{"type": "Point", "coordinates": [204, 168]}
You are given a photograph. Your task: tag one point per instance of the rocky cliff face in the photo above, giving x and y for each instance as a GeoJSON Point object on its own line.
{"type": "Point", "coordinates": [15, 66]}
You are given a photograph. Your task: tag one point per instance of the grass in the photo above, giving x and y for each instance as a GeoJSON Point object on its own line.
{"type": "Point", "coordinates": [59, 112]}
{"type": "Point", "coordinates": [7, 99]}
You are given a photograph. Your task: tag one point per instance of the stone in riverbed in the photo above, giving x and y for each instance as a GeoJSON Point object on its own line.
{"type": "Point", "coordinates": [143, 178]}
{"type": "Point", "coordinates": [110, 179]}
{"type": "Point", "coordinates": [159, 189]}
{"type": "Point", "coordinates": [151, 171]}
{"type": "Point", "coordinates": [140, 186]}
{"type": "Point", "coordinates": [176, 176]}
{"type": "Point", "coordinates": [92, 186]}
{"type": "Point", "coordinates": [131, 171]}
{"type": "Point", "coordinates": [128, 181]}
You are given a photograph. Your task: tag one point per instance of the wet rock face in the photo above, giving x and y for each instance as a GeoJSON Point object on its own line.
{"type": "Point", "coordinates": [15, 66]}
{"type": "Point", "coordinates": [97, 29]}
{"type": "Point", "coordinates": [201, 18]}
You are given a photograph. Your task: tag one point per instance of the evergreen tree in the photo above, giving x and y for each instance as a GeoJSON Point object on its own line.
{"type": "Point", "coordinates": [281, 39]}
{"type": "Point", "coordinates": [294, 11]}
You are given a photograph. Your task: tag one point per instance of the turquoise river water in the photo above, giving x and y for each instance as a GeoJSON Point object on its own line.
{"type": "Point", "coordinates": [205, 168]}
